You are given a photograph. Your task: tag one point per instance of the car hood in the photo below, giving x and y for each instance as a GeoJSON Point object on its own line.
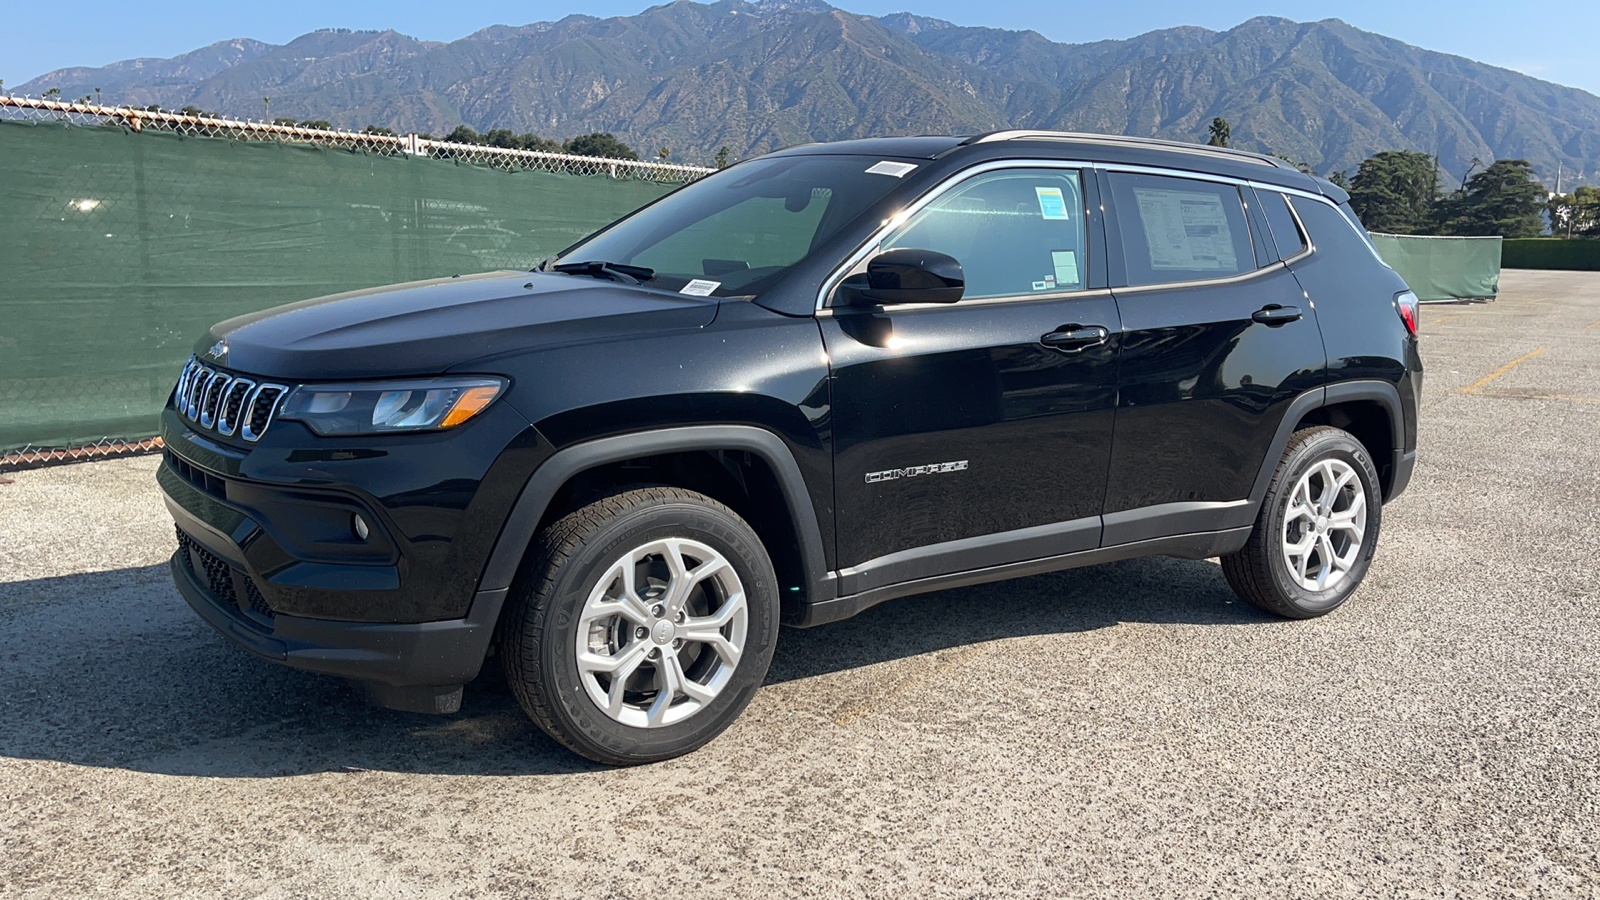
{"type": "Point", "coordinates": [427, 327]}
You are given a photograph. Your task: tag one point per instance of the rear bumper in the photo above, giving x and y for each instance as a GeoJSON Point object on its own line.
{"type": "Point", "coordinates": [418, 667]}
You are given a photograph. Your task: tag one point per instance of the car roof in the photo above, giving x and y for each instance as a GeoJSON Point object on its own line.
{"type": "Point", "coordinates": [1106, 148]}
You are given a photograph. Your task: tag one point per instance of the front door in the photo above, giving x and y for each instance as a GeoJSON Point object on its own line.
{"type": "Point", "coordinates": [978, 433]}
{"type": "Point", "coordinates": [1217, 342]}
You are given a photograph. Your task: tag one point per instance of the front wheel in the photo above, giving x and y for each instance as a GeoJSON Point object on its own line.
{"type": "Point", "coordinates": [1316, 531]}
{"type": "Point", "coordinates": [642, 625]}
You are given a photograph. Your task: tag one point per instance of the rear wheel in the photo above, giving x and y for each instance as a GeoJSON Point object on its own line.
{"type": "Point", "coordinates": [642, 626]}
{"type": "Point", "coordinates": [1316, 531]}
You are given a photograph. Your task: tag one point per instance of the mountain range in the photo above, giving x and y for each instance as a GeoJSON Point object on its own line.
{"type": "Point", "coordinates": [756, 76]}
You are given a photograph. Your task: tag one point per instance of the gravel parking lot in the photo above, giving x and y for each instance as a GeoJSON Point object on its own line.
{"type": "Point", "coordinates": [1127, 730]}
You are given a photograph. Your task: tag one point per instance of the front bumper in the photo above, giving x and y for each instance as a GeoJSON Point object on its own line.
{"type": "Point", "coordinates": [418, 667]}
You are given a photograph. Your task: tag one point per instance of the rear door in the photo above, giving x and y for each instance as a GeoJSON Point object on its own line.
{"type": "Point", "coordinates": [978, 433]}
{"type": "Point", "coordinates": [1218, 339]}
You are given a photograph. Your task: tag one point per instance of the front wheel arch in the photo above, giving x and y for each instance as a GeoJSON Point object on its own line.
{"type": "Point", "coordinates": [534, 504]}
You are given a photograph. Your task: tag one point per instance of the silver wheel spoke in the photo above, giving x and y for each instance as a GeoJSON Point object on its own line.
{"type": "Point", "coordinates": [628, 657]}
{"type": "Point", "coordinates": [619, 679]}
{"type": "Point", "coordinates": [619, 628]}
{"type": "Point", "coordinates": [669, 681]}
{"type": "Point", "coordinates": [692, 689]}
{"type": "Point", "coordinates": [1314, 525]}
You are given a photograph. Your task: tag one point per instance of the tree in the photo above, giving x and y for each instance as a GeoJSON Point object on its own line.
{"type": "Point", "coordinates": [267, 102]}
{"type": "Point", "coordinates": [1220, 131]}
{"type": "Point", "coordinates": [284, 120]}
{"type": "Point", "coordinates": [600, 144]}
{"type": "Point", "coordinates": [503, 137]}
{"type": "Point", "coordinates": [377, 129]}
{"type": "Point", "coordinates": [721, 159]}
{"type": "Point", "coordinates": [1338, 177]}
{"type": "Point", "coordinates": [1503, 199]}
{"type": "Point", "coordinates": [1394, 192]}
{"type": "Point", "coordinates": [664, 153]}
{"type": "Point", "coordinates": [318, 124]}
{"type": "Point", "coordinates": [1576, 214]}
{"type": "Point", "coordinates": [53, 92]}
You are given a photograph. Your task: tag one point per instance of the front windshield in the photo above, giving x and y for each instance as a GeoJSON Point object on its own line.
{"type": "Point", "coordinates": [735, 232]}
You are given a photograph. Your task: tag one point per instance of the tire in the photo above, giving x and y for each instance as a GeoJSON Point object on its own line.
{"type": "Point", "coordinates": [1289, 566]}
{"type": "Point", "coordinates": [573, 588]}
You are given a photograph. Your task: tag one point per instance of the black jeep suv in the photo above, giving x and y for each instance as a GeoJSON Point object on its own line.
{"type": "Point", "coordinates": [806, 384]}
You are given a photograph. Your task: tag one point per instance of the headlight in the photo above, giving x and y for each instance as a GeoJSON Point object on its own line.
{"type": "Point", "coordinates": [379, 407]}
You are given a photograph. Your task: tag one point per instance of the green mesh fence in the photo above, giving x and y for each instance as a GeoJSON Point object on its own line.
{"type": "Point", "coordinates": [1443, 268]}
{"type": "Point", "coordinates": [117, 249]}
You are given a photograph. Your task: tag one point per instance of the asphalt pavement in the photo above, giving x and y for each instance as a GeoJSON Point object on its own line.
{"type": "Point", "coordinates": [1126, 730]}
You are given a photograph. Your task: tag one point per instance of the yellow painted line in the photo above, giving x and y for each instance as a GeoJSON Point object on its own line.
{"type": "Point", "coordinates": [1592, 324]}
{"type": "Point", "coordinates": [1445, 318]}
{"type": "Point", "coordinates": [1500, 371]}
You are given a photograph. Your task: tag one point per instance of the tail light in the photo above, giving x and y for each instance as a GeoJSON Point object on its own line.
{"type": "Point", "coordinates": [1406, 304]}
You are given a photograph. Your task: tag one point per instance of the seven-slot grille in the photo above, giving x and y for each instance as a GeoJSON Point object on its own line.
{"type": "Point", "coordinates": [226, 403]}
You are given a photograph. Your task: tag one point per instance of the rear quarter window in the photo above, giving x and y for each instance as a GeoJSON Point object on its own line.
{"type": "Point", "coordinates": [1333, 232]}
{"type": "Point", "coordinates": [1280, 221]}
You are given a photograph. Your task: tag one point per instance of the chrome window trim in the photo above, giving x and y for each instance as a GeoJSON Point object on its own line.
{"type": "Point", "coordinates": [1201, 282]}
{"type": "Point", "coordinates": [873, 243]}
{"type": "Point", "coordinates": [1042, 296]}
{"type": "Point", "coordinates": [900, 218]}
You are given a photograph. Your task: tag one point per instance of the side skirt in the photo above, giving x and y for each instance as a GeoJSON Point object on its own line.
{"type": "Point", "coordinates": [1199, 545]}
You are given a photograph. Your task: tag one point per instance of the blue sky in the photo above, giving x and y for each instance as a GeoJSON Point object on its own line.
{"type": "Point", "coordinates": [1555, 41]}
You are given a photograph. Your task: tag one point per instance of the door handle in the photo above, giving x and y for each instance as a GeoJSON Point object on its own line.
{"type": "Point", "coordinates": [1272, 314]}
{"type": "Point", "coordinates": [1072, 338]}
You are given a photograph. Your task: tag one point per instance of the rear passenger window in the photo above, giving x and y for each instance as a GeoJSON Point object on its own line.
{"type": "Point", "coordinates": [1285, 230]}
{"type": "Point", "coordinates": [1178, 229]}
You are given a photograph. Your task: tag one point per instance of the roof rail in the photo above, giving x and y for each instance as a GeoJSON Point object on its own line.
{"type": "Point", "coordinates": [1202, 149]}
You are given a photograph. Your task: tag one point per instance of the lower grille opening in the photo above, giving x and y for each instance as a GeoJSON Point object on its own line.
{"type": "Point", "coordinates": [222, 579]}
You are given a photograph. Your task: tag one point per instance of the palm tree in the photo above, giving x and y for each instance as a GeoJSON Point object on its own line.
{"type": "Point", "coordinates": [1220, 132]}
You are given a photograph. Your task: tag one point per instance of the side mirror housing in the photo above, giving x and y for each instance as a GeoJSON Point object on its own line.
{"type": "Point", "coordinates": [913, 276]}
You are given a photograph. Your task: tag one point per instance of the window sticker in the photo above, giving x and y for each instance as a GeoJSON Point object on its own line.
{"type": "Point", "coordinates": [1051, 204]}
{"type": "Point", "coordinates": [1066, 266]}
{"type": "Point", "coordinates": [700, 287]}
{"type": "Point", "coordinates": [1040, 285]}
{"type": "Point", "coordinates": [895, 169]}
{"type": "Point", "coordinates": [1186, 230]}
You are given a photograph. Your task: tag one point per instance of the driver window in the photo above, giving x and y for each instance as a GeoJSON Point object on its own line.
{"type": "Point", "coordinates": [1015, 232]}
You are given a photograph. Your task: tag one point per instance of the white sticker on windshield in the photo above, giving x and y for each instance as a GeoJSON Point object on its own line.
{"type": "Point", "coordinates": [898, 170]}
{"type": "Point", "coordinates": [700, 287]}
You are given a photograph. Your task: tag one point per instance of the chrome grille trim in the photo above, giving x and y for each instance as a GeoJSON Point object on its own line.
{"type": "Point", "coordinates": [215, 388]}
{"type": "Point", "coordinates": [204, 395]}
{"type": "Point", "coordinates": [247, 421]}
{"type": "Point", "coordinates": [226, 424]}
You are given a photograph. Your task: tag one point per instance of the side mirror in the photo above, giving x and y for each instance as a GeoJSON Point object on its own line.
{"type": "Point", "coordinates": [913, 276]}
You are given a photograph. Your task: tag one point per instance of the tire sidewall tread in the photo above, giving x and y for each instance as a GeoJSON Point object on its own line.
{"type": "Point", "coordinates": [538, 638]}
{"type": "Point", "coordinates": [1259, 574]}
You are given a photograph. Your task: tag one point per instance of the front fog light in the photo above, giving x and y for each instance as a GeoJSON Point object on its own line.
{"type": "Point", "coordinates": [359, 526]}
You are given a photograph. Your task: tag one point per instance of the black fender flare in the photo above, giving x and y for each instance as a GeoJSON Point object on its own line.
{"type": "Point", "coordinates": [547, 479]}
{"type": "Point", "coordinates": [1383, 393]}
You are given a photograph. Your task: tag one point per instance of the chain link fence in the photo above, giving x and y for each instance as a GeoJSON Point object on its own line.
{"type": "Point", "coordinates": [124, 234]}
{"type": "Point", "coordinates": [26, 109]}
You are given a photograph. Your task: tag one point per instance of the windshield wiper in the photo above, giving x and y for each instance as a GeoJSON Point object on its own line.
{"type": "Point", "coordinates": [595, 268]}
